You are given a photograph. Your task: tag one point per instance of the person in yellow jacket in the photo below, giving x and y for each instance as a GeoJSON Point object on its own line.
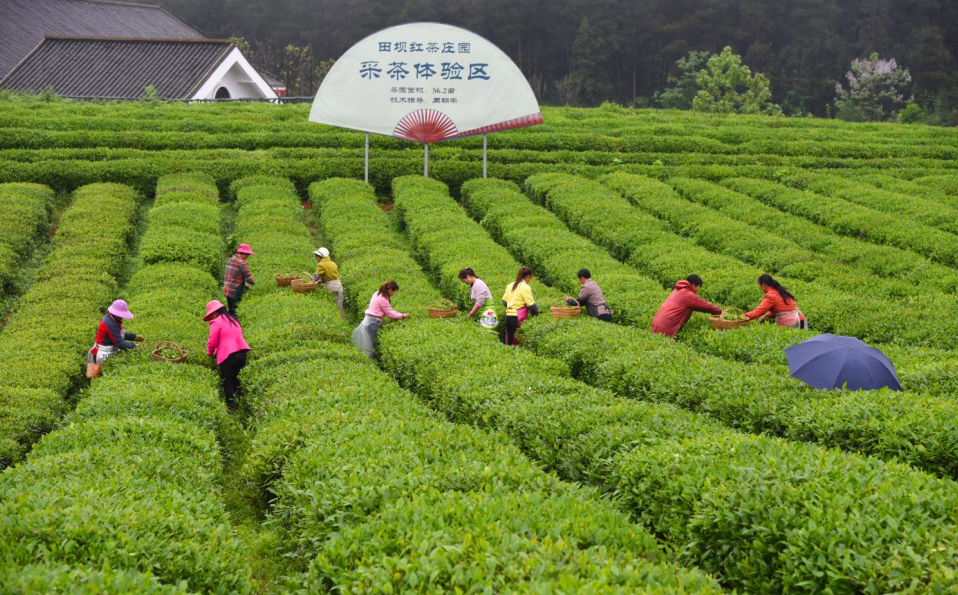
{"type": "Point", "coordinates": [519, 304]}
{"type": "Point", "coordinates": [327, 272]}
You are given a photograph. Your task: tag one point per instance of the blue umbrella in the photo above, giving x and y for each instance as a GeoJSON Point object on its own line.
{"type": "Point", "coordinates": [832, 361]}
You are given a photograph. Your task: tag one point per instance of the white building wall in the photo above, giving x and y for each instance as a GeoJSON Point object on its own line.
{"type": "Point", "coordinates": [236, 74]}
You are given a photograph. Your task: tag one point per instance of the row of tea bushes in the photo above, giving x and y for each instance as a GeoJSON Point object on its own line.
{"type": "Point", "coordinates": [375, 252]}
{"type": "Point", "coordinates": [623, 131]}
{"type": "Point", "coordinates": [130, 486]}
{"type": "Point", "coordinates": [914, 273]}
{"type": "Point", "coordinates": [24, 213]}
{"type": "Point", "coordinates": [698, 485]}
{"type": "Point", "coordinates": [852, 219]}
{"type": "Point", "coordinates": [913, 428]}
{"type": "Point", "coordinates": [445, 240]}
{"type": "Point", "coordinates": [64, 171]}
{"type": "Point", "coordinates": [375, 490]}
{"type": "Point", "coordinates": [722, 234]}
{"type": "Point", "coordinates": [44, 342]}
{"type": "Point", "coordinates": [909, 208]}
{"type": "Point", "coordinates": [648, 244]}
{"type": "Point", "coordinates": [763, 515]}
{"type": "Point", "coordinates": [916, 429]}
{"type": "Point", "coordinates": [182, 252]}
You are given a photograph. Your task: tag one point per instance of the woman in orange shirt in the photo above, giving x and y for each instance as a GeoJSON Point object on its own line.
{"type": "Point", "coordinates": [779, 303]}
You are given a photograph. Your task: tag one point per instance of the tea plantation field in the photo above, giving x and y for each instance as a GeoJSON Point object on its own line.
{"type": "Point", "coordinates": [594, 458]}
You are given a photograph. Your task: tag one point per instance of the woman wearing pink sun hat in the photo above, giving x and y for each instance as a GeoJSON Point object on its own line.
{"type": "Point", "coordinates": [110, 334]}
{"type": "Point", "coordinates": [227, 344]}
{"type": "Point", "coordinates": [237, 277]}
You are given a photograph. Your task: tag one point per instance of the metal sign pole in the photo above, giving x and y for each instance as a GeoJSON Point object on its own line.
{"type": "Point", "coordinates": [425, 163]}
{"type": "Point", "coordinates": [484, 138]}
{"type": "Point", "coordinates": [366, 160]}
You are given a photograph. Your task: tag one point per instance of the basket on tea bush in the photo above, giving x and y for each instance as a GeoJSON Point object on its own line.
{"type": "Point", "coordinates": [564, 311]}
{"type": "Point", "coordinates": [442, 308]}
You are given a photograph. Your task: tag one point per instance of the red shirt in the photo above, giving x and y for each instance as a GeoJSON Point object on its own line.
{"type": "Point", "coordinates": [774, 304]}
{"type": "Point", "coordinates": [237, 275]}
{"type": "Point", "coordinates": [678, 308]}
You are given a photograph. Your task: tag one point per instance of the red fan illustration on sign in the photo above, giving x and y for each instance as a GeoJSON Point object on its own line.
{"type": "Point", "coordinates": [426, 126]}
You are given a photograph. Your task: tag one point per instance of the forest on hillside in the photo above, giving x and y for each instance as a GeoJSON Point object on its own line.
{"type": "Point", "coordinates": [585, 52]}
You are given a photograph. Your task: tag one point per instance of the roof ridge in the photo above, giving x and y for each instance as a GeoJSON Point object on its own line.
{"type": "Point", "coordinates": [122, 3]}
{"type": "Point", "coordinates": [143, 39]}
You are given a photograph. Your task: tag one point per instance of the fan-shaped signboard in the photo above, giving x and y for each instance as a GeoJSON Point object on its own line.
{"type": "Point", "coordinates": [425, 82]}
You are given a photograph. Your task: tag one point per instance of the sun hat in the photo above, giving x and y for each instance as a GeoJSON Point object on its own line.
{"type": "Point", "coordinates": [211, 308]}
{"type": "Point", "coordinates": [324, 252]}
{"type": "Point", "coordinates": [120, 310]}
{"type": "Point", "coordinates": [244, 249]}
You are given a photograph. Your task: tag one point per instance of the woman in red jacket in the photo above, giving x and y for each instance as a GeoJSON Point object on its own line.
{"type": "Point", "coordinates": [227, 344]}
{"type": "Point", "coordinates": [779, 303]}
{"type": "Point", "coordinates": [678, 308]}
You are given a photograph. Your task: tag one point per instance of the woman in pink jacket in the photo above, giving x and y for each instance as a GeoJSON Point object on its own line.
{"type": "Point", "coordinates": [380, 308]}
{"type": "Point", "coordinates": [228, 345]}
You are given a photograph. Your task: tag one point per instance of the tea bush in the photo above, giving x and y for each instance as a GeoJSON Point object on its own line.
{"type": "Point", "coordinates": [45, 340]}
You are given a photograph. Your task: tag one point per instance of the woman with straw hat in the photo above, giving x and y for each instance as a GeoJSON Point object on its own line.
{"type": "Point", "coordinates": [110, 334]}
{"type": "Point", "coordinates": [227, 344]}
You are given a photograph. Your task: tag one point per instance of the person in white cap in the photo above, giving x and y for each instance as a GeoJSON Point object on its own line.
{"type": "Point", "coordinates": [327, 271]}
{"type": "Point", "coordinates": [110, 334]}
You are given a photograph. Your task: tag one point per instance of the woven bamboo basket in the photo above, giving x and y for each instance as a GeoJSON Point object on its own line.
{"type": "Point", "coordinates": [284, 280]}
{"type": "Point", "coordinates": [301, 285]}
{"type": "Point", "coordinates": [159, 357]}
{"type": "Point", "coordinates": [726, 324]}
{"type": "Point", "coordinates": [442, 308]}
{"type": "Point", "coordinates": [563, 311]}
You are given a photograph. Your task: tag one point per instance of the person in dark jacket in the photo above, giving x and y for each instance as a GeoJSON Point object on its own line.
{"type": "Point", "coordinates": [678, 307]}
{"type": "Point", "coordinates": [110, 334]}
{"type": "Point", "coordinates": [591, 297]}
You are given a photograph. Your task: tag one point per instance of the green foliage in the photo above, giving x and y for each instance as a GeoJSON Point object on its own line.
{"type": "Point", "coordinates": [64, 580]}
{"type": "Point", "coordinates": [728, 87]}
{"type": "Point", "coordinates": [694, 483]}
{"type": "Point", "coordinates": [125, 496]}
{"type": "Point", "coordinates": [385, 461]}
{"type": "Point", "coordinates": [684, 87]}
{"type": "Point", "coordinates": [131, 487]}
{"type": "Point", "coordinates": [376, 253]}
{"type": "Point", "coordinates": [88, 248]}
{"type": "Point", "coordinates": [912, 114]}
{"type": "Point", "coordinates": [846, 218]}
{"type": "Point", "coordinates": [24, 213]}
{"type": "Point", "coordinates": [447, 240]}
{"type": "Point", "coordinates": [624, 360]}
{"type": "Point", "coordinates": [591, 51]}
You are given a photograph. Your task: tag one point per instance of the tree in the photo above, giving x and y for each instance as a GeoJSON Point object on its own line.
{"type": "Point", "coordinates": [728, 87]}
{"type": "Point", "coordinates": [875, 86]}
{"type": "Point", "coordinates": [685, 86]}
{"type": "Point", "coordinates": [590, 56]}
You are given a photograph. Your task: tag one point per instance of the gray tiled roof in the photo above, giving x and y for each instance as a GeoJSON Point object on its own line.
{"type": "Point", "coordinates": [118, 67]}
{"type": "Point", "coordinates": [24, 24]}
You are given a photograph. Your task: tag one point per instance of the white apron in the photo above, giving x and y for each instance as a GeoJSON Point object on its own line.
{"type": "Point", "coordinates": [364, 336]}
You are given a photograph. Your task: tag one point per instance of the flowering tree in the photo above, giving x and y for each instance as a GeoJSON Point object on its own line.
{"type": "Point", "coordinates": [875, 86]}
